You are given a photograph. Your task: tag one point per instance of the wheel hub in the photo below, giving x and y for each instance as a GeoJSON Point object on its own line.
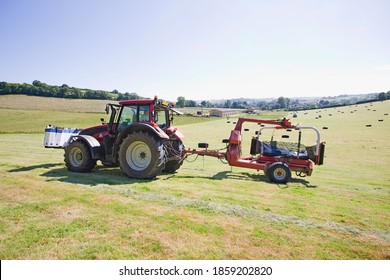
{"type": "Point", "coordinates": [280, 173]}
{"type": "Point", "coordinates": [76, 156]}
{"type": "Point", "coordinates": [138, 155]}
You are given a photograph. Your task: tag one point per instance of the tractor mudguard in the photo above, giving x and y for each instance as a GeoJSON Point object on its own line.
{"type": "Point", "coordinates": [93, 144]}
{"type": "Point", "coordinates": [173, 131]}
{"type": "Point", "coordinates": [153, 130]}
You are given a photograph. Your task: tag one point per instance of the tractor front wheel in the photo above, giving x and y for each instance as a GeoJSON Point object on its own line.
{"type": "Point", "coordinates": [78, 157]}
{"type": "Point", "coordinates": [279, 173]}
{"type": "Point", "coordinates": [141, 156]}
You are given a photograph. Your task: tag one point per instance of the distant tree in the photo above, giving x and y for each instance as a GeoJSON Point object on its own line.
{"type": "Point", "coordinates": [382, 96]}
{"type": "Point", "coordinates": [127, 96]}
{"type": "Point", "coordinates": [181, 102]}
{"type": "Point", "coordinates": [120, 96]}
{"type": "Point", "coordinates": [3, 88]}
{"type": "Point", "coordinates": [282, 102]}
{"type": "Point", "coordinates": [204, 103]}
{"type": "Point", "coordinates": [75, 93]}
{"type": "Point", "coordinates": [134, 95]}
{"type": "Point", "coordinates": [228, 104]}
{"type": "Point", "coordinates": [324, 103]}
{"type": "Point", "coordinates": [36, 83]}
{"type": "Point", "coordinates": [191, 103]}
{"type": "Point", "coordinates": [287, 102]}
{"type": "Point", "coordinates": [261, 104]}
{"type": "Point", "coordinates": [295, 102]}
{"type": "Point", "coordinates": [265, 106]}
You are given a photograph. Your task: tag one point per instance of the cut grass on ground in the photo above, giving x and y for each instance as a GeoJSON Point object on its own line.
{"type": "Point", "coordinates": [206, 210]}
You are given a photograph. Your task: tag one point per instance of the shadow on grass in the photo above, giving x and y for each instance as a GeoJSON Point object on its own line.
{"type": "Point", "coordinates": [246, 176]}
{"type": "Point", "coordinates": [33, 167]}
{"type": "Point", "coordinates": [99, 175]}
{"type": "Point", "coordinates": [114, 176]}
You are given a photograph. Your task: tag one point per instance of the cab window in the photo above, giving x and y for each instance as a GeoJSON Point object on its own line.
{"type": "Point", "coordinates": [144, 114]}
{"type": "Point", "coordinates": [161, 118]}
{"type": "Point", "coordinates": [128, 116]}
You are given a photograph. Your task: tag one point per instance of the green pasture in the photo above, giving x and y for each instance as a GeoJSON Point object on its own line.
{"type": "Point", "coordinates": [207, 210]}
{"type": "Point", "coordinates": [35, 121]}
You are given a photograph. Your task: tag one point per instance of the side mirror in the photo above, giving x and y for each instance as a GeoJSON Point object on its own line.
{"type": "Point", "coordinates": [107, 109]}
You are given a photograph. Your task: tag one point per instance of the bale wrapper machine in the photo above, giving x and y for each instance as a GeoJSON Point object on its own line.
{"type": "Point", "coordinates": [276, 160]}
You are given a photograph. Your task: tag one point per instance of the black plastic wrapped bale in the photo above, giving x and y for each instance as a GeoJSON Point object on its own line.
{"type": "Point", "coordinates": [203, 145]}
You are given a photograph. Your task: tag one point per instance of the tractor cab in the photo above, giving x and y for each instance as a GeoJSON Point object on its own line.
{"type": "Point", "coordinates": [156, 113]}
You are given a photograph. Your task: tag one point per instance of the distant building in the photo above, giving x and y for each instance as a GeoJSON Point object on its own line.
{"type": "Point", "coordinates": [223, 112]}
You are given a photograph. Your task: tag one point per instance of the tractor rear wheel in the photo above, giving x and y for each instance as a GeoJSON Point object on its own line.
{"type": "Point", "coordinates": [141, 156]}
{"type": "Point", "coordinates": [78, 157]}
{"type": "Point", "coordinates": [172, 166]}
{"type": "Point", "coordinates": [279, 173]}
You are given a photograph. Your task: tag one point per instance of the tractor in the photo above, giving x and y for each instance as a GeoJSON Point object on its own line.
{"type": "Point", "coordinates": [138, 138]}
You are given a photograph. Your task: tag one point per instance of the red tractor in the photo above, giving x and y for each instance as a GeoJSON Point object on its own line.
{"type": "Point", "coordinates": [138, 137]}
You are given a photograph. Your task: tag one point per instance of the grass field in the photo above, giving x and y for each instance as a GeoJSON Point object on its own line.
{"type": "Point", "coordinates": [207, 210]}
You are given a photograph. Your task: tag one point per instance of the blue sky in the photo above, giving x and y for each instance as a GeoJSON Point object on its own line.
{"type": "Point", "coordinates": [200, 49]}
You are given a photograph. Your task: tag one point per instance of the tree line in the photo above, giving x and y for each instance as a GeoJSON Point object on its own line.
{"type": "Point", "coordinates": [38, 88]}
{"type": "Point", "coordinates": [280, 103]}
{"type": "Point", "coordinates": [285, 103]}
